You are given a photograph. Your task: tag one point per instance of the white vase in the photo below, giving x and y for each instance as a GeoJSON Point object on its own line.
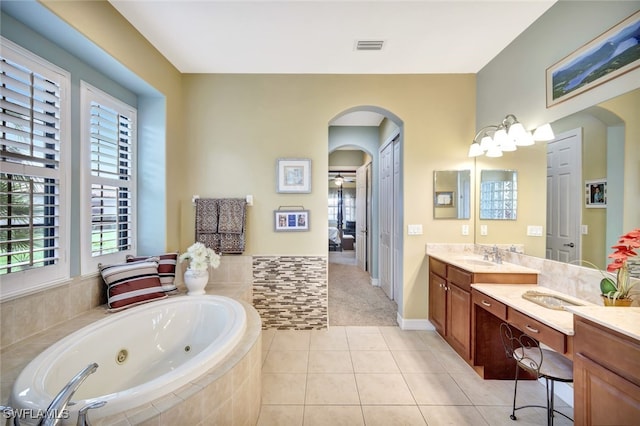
{"type": "Point", "coordinates": [196, 281]}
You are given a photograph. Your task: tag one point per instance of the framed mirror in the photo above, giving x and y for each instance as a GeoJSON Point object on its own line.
{"type": "Point", "coordinates": [452, 194]}
{"type": "Point", "coordinates": [498, 194]}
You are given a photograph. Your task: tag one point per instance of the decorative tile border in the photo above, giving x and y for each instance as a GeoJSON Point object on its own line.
{"type": "Point", "coordinates": [290, 292]}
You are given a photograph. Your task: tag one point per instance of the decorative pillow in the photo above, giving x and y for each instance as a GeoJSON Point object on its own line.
{"type": "Point", "coordinates": [166, 269]}
{"type": "Point", "coordinates": [132, 283]}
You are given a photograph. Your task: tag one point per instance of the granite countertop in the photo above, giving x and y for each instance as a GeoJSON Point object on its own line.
{"type": "Point", "coordinates": [511, 295]}
{"type": "Point", "coordinates": [625, 320]}
{"type": "Point", "coordinates": [476, 264]}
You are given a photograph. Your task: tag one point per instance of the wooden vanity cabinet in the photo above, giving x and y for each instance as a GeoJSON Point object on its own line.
{"type": "Point", "coordinates": [450, 300]}
{"type": "Point", "coordinates": [606, 375]}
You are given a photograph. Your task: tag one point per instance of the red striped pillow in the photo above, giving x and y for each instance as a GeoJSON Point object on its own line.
{"type": "Point", "coordinates": [132, 283]}
{"type": "Point", "coordinates": [166, 269]}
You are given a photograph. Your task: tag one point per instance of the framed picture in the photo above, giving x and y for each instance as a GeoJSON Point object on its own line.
{"type": "Point", "coordinates": [294, 175]}
{"type": "Point", "coordinates": [291, 220]}
{"type": "Point", "coordinates": [595, 193]}
{"type": "Point", "coordinates": [444, 199]}
{"type": "Point", "coordinates": [604, 58]}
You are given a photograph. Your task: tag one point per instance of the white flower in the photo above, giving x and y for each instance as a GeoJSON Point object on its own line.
{"type": "Point", "coordinates": [200, 257]}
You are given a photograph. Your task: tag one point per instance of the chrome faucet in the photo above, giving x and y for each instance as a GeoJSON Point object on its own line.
{"type": "Point", "coordinates": [54, 412]}
{"type": "Point", "coordinates": [497, 256]}
{"type": "Point", "coordinates": [83, 415]}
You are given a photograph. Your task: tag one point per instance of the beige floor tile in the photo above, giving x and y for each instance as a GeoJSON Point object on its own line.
{"type": "Point", "coordinates": [330, 362]}
{"type": "Point", "coordinates": [383, 389]}
{"type": "Point", "coordinates": [452, 415]}
{"type": "Point", "coordinates": [386, 415]}
{"type": "Point", "coordinates": [435, 389]}
{"type": "Point", "coordinates": [373, 362]}
{"type": "Point", "coordinates": [398, 339]}
{"type": "Point", "coordinates": [291, 340]}
{"type": "Point", "coordinates": [267, 338]}
{"type": "Point", "coordinates": [332, 339]}
{"type": "Point", "coordinates": [361, 329]}
{"type": "Point", "coordinates": [417, 362]}
{"type": "Point", "coordinates": [331, 389]}
{"type": "Point", "coordinates": [367, 342]}
{"type": "Point", "coordinates": [434, 341]}
{"type": "Point", "coordinates": [281, 415]}
{"type": "Point", "coordinates": [334, 415]}
{"type": "Point", "coordinates": [286, 362]}
{"type": "Point", "coordinates": [499, 392]}
{"type": "Point", "coordinates": [278, 388]}
{"type": "Point", "coordinates": [452, 363]}
{"type": "Point", "coordinates": [499, 416]}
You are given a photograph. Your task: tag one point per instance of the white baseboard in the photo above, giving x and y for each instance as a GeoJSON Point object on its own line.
{"type": "Point", "coordinates": [414, 324]}
{"type": "Point", "coordinates": [375, 282]}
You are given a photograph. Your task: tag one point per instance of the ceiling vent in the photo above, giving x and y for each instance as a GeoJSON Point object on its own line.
{"type": "Point", "coordinates": [369, 44]}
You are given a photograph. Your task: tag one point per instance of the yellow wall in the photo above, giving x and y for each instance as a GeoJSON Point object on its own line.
{"type": "Point", "coordinates": [225, 132]}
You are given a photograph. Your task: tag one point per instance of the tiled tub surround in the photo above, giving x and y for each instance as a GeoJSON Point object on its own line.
{"type": "Point", "coordinates": [229, 393]}
{"type": "Point", "coordinates": [574, 280]}
{"type": "Point", "coordinates": [290, 292]}
{"type": "Point", "coordinates": [26, 316]}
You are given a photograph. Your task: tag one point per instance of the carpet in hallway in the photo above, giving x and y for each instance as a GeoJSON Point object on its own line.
{"type": "Point", "coordinates": [354, 301]}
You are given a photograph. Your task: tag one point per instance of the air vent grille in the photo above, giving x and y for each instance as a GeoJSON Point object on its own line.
{"type": "Point", "coordinates": [369, 44]}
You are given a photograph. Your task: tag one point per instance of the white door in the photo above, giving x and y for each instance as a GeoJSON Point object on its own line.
{"type": "Point", "coordinates": [385, 252]}
{"type": "Point", "coordinates": [397, 223]}
{"type": "Point", "coordinates": [361, 217]}
{"type": "Point", "coordinates": [564, 165]}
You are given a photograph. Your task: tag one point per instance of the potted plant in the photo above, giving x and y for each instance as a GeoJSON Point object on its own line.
{"type": "Point", "coordinates": [196, 276]}
{"type": "Point", "coordinates": [616, 292]}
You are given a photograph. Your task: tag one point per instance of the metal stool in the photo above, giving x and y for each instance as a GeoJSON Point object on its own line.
{"type": "Point", "coordinates": [544, 363]}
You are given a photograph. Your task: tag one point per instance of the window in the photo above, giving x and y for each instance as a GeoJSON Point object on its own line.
{"type": "Point", "coordinates": [33, 177]}
{"type": "Point", "coordinates": [498, 194]}
{"type": "Point", "coordinates": [109, 172]}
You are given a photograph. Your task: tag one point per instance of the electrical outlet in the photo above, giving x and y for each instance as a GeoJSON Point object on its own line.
{"type": "Point", "coordinates": [465, 229]}
{"type": "Point", "coordinates": [584, 229]}
{"type": "Point", "coordinates": [484, 230]}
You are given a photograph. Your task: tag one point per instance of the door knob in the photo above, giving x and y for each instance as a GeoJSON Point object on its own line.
{"type": "Point", "coordinates": [569, 245]}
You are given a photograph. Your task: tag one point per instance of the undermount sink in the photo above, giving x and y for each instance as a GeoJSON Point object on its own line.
{"type": "Point", "coordinates": [551, 301]}
{"type": "Point", "coordinates": [475, 261]}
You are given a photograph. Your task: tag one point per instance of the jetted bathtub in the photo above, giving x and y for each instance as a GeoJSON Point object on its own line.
{"type": "Point", "coordinates": [142, 353]}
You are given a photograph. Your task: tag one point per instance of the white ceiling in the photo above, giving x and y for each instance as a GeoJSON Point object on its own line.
{"type": "Point", "coordinates": [318, 37]}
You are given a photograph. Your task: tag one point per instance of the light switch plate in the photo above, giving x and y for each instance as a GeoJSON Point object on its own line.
{"type": "Point", "coordinates": [483, 230]}
{"type": "Point", "coordinates": [534, 231]}
{"type": "Point", "coordinates": [465, 229]}
{"type": "Point", "coordinates": [584, 229]}
{"type": "Point", "coordinates": [414, 229]}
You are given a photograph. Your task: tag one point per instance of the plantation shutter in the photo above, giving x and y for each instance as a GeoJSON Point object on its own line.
{"type": "Point", "coordinates": [112, 180]}
{"type": "Point", "coordinates": [30, 171]}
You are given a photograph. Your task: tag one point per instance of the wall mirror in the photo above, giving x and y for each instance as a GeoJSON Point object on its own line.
{"type": "Point", "coordinates": [498, 194]}
{"type": "Point", "coordinates": [452, 194]}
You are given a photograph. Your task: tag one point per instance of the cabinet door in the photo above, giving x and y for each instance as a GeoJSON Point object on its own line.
{"type": "Point", "coordinates": [459, 320]}
{"type": "Point", "coordinates": [437, 302]}
{"type": "Point", "coordinates": [602, 397]}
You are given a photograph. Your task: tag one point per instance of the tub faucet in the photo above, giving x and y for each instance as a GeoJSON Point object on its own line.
{"type": "Point", "coordinates": [55, 410]}
{"type": "Point", "coordinates": [83, 415]}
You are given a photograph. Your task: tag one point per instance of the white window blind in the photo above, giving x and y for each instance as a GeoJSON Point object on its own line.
{"type": "Point", "coordinates": [110, 176]}
{"type": "Point", "coordinates": [32, 106]}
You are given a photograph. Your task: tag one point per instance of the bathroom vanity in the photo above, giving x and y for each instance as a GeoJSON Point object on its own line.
{"type": "Point", "coordinates": [450, 279]}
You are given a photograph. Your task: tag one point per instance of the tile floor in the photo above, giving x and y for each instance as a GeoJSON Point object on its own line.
{"type": "Point", "coordinates": [383, 376]}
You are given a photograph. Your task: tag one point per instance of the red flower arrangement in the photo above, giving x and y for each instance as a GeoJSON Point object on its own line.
{"type": "Point", "coordinates": [623, 251]}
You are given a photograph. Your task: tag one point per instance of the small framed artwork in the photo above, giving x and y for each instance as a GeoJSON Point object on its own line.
{"type": "Point", "coordinates": [444, 199]}
{"type": "Point", "coordinates": [595, 193]}
{"type": "Point", "coordinates": [294, 175]}
{"type": "Point", "coordinates": [291, 220]}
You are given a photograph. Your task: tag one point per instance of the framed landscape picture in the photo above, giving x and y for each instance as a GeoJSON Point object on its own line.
{"type": "Point", "coordinates": [606, 57]}
{"type": "Point", "coordinates": [293, 175]}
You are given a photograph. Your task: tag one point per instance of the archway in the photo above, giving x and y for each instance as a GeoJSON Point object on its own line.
{"type": "Point", "coordinates": [371, 130]}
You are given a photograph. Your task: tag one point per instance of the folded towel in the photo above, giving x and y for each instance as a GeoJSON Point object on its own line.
{"type": "Point", "coordinates": [232, 243]}
{"type": "Point", "coordinates": [209, 240]}
{"type": "Point", "coordinates": [231, 215]}
{"type": "Point", "coordinates": [206, 215]}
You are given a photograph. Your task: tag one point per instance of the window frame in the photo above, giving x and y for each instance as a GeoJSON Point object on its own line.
{"type": "Point", "coordinates": [36, 279]}
{"type": "Point", "coordinates": [89, 264]}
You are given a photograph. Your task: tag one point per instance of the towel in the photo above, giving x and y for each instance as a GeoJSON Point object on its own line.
{"type": "Point", "coordinates": [231, 215]}
{"type": "Point", "coordinates": [206, 215]}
